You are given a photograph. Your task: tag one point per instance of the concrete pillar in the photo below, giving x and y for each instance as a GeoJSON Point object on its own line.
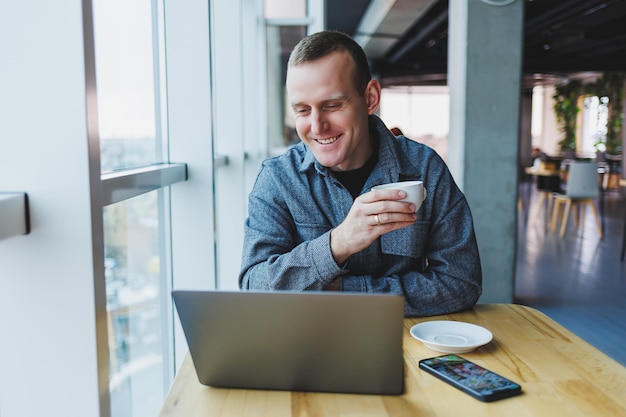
{"type": "Point", "coordinates": [484, 75]}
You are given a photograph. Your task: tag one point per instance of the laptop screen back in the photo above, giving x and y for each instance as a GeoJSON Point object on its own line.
{"type": "Point", "coordinates": [310, 341]}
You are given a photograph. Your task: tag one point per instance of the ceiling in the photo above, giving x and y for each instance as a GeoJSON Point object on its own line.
{"type": "Point", "coordinates": [406, 40]}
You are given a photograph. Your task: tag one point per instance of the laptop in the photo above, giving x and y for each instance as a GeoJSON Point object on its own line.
{"type": "Point", "coordinates": [307, 341]}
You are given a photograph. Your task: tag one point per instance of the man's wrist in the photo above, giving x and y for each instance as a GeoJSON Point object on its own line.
{"type": "Point", "coordinates": [335, 251]}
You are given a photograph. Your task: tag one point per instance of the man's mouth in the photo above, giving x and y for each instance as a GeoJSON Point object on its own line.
{"type": "Point", "coordinates": [327, 141]}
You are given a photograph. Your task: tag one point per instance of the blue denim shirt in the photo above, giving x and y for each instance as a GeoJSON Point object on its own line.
{"type": "Point", "coordinates": [296, 202]}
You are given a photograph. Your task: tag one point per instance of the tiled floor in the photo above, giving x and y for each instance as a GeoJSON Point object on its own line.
{"type": "Point", "coordinates": [578, 280]}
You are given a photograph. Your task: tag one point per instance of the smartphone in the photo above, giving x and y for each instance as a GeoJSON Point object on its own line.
{"type": "Point", "coordinates": [473, 379]}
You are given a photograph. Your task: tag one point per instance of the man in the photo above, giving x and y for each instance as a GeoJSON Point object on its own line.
{"type": "Point", "coordinates": [313, 222]}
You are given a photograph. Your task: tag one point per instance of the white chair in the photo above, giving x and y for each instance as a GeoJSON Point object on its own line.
{"type": "Point", "coordinates": [581, 190]}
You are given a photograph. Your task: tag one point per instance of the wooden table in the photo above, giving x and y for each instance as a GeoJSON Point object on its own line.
{"type": "Point", "coordinates": [548, 182]}
{"type": "Point", "coordinates": [560, 374]}
{"type": "Point", "coordinates": [542, 172]}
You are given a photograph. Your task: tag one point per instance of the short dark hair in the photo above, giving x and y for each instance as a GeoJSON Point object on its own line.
{"type": "Point", "coordinates": [321, 44]}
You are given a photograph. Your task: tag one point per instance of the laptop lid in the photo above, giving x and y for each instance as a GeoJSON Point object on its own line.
{"type": "Point", "coordinates": [309, 341]}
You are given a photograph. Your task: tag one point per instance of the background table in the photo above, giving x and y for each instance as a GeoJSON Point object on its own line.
{"type": "Point", "coordinates": [560, 374]}
{"type": "Point", "coordinates": [548, 181]}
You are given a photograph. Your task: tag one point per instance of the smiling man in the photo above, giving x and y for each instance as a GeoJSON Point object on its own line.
{"type": "Point", "coordinates": [313, 222]}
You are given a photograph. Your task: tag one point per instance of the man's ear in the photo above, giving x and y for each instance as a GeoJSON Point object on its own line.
{"type": "Point", "coordinates": [372, 96]}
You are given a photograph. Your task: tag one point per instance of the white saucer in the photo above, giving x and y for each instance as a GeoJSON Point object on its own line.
{"type": "Point", "coordinates": [451, 336]}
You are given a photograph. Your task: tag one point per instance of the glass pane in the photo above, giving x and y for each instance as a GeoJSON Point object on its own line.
{"type": "Point", "coordinates": [422, 113]}
{"type": "Point", "coordinates": [595, 114]}
{"type": "Point", "coordinates": [284, 9]}
{"type": "Point", "coordinates": [280, 42]}
{"type": "Point", "coordinates": [136, 305]}
{"type": "Point", "coordinates": [125, 82]}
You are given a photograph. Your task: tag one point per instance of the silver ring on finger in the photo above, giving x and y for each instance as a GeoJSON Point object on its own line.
{"type": "Point", "coordinates": [377, 220]}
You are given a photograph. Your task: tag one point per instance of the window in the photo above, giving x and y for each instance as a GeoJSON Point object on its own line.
{"type": "Point", "coordinates": [125, 76]}
{"type": "Point", "coordinates": [136, 224]}
{"type": "Point", "coordinates": [54, 298]}
{"type": "Point", "coordinates": [281, 39]}
{"type": "Point", "coordinates": [595, 112]}
{"type": "Point", "coordinates": [287, 22]}
{"type": "Point", "coordinates": [421, 112]}
{"type": "Point", "coordinates": [136, 285]}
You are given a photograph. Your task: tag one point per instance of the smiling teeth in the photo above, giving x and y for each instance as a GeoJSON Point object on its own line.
{"type": "Point", "coordinates": [327, 141]}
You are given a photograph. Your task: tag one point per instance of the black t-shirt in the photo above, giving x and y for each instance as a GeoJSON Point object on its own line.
{"type": "Point", "coordinates": [353, 180]}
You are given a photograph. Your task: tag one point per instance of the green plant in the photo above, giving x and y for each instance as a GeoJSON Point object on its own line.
{"type": "Point", "coordinates": [566, 110]}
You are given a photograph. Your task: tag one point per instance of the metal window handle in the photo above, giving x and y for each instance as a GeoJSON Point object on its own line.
{"type": "Point", "coordinates": [14, 214]}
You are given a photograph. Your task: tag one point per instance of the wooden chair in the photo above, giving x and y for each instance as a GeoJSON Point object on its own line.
{"type": "Point", "coordinates": [581, 191]}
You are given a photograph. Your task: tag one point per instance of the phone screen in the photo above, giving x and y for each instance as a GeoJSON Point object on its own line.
{"type": "Point", "coordinates": [471, 378]}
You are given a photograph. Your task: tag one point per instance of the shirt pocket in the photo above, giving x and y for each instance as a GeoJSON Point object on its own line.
{"type": "Point", "coordinates": [409, 241]}
{"type": "Point", "coordinates": [308, 230]}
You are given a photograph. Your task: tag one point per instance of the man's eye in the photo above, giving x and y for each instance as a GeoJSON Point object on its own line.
{"type": "Point", "coordinates": [333, 106]}
{"type": "Point", "coordinates": [301, 110]}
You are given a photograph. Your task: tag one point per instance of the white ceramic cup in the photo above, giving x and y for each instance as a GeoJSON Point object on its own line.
{"type": "Point", "coordinates": [415, 191]}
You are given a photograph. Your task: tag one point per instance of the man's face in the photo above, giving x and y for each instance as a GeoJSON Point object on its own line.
{"type": "Point", "coordinates": [331, 115]}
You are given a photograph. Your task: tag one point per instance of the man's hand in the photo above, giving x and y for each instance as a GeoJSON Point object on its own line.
{"type": "Point", "coordinates": [372, 214]}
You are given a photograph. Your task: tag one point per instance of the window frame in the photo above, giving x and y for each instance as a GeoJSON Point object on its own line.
{"type": "Point", "coordinates": [114, 187]}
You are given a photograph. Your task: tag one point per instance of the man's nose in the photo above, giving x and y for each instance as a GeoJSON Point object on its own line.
{"type": "Point", "coordinates": [318, 122]}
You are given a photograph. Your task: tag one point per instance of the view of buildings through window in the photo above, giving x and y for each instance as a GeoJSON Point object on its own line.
{"type": "Point", "coordinates": [136, 317]}
{"type": "Point", "coordinates": [127, 76]}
